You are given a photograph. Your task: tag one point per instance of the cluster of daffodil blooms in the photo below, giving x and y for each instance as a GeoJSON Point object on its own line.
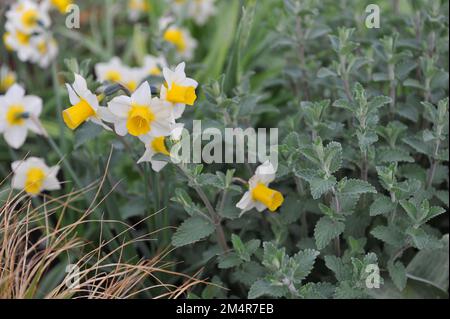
{"type": "Point", "coordinates": [151, 119]}
{"type": "Point", "coordinates": [27, 30]}
{"type": "Point", "coordinates": [18, 114]}
{"type": "Point", "coordinates": [198, 10]}
{"type": "Point", "coordinates": [114, 71]}
{"type": "Point", "coordinates": [146, 117]}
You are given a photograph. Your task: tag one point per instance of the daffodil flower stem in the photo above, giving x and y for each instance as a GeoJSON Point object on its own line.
{"type": "Point", "coordinates": [337, 240]}
{"type": "Point", "coordinates": [59, 108]}
{"type": "Point", "coordinates": [58, 151]}
{"type": "Point", "coordinates": [214, 216]}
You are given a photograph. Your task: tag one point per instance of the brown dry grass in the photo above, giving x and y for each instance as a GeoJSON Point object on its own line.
{"type": "Point", "coordinates": [32, 247]}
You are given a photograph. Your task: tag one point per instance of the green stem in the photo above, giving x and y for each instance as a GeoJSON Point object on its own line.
{"type": "Point", "coordinates": [59, 108]}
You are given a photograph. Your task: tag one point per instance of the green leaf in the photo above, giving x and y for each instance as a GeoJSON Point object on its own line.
{"type": "Point", "coordinates": [389, 235]}
{"type": "Point", "coordinates": [192, 230]}
{"type": "Point", "coordinates": [378, 102]}
{"type": "Point", "coordinates": [87, 132]}
{"type": "Point", "coordinates": [341, 271]}
{"type": "Point", "coordinates": [321, 186]}
{"type": "Point", "coordinates": [431, 267]}
{"type": "Point", "coordinates": [305, 262]}
{"type": "Point", "coordinates": [383, 205]}
{"type": "Point", "coordinates": [355, 187]}
{"type": "Point", "coordinates": [422, 240]}
{"type": "Point", "coordinates": [326, 230]}
{"type": "Point", "coordinates": [264, 288]}
{"type": "Point", "coordinates": [397, 272]}
{"type": "Point", "coordinates": [229, 260]}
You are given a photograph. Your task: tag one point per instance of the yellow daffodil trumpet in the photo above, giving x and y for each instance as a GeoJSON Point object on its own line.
{"type": "Point", "coordinates": [78, 114]}
{"type": "Point", "coordinates": [272, 199]}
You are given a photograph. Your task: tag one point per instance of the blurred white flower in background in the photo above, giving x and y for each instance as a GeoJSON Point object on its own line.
{"type": "Point", "coordinates": [18, 114]}
{"type": "Point", "coordinates": [27, 33]}
{"type": "Point", "coordinates": [182, 40]}
{"type": "Point", "coordinates": [34, 176]}
{"type": "Point", "coordinates": [7, 78]}
{"type": "Point", "coordinates": [154, 65]}
{"type": "Point", "coordinates": [137, 8]}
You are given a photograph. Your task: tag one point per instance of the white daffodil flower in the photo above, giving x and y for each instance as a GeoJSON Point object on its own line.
{"type": "Point", "coordinates": [153, 65]}
{"type": "Point", "coordinates": [18, 114]}
{"type": "Point", "coordinates": [178, 89]}
{"type": "Point", "coordinates": [140, 114]}
{"type": "Point", "coordinates": [136, 8]}
{"type": "Point", "coordinates": [201, 10]}
{"type": "Point", "coordinates": [85, 105]}
{"type": "Point", "coordinates": [156, 145]}
{"type": "Point", "coordinates": [34, 176]}
{"type": "Point", "coordinates": [111, 71]}
{"type": "Point", "coordinates": [19, 42]}
{"type": "Point", "coordinates": [259, 195]}
{"type": "Point", "coordinates": [184, 43]}
{"type": "Point", "coordinates": [7, 78]}
{"type": "Point", "coordinates": [28, 16]}
{"type": "Point", "coordinates": [132, 78]}
{"type": "Point", "coordinates": [46, 49]}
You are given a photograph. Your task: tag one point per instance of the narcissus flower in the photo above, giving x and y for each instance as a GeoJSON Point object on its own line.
{"type": "Point", "coordinates": [115, 71]}
{"type": "Point", "coordinates": [153, 65]}
{"type": "Point", "coordinates": [85, 106]}
{"type": "Point", "coordinates": [18, 114]}
{"type": "Point", "coordinates": [140, 114]}
{"type": "Point", "coordinates": [178, 89]}
{"type": "Point", "coordinates": [34, 176]}
{"type": "Point", "coordinates": [61, 5]}
{"type": "Point", "coordinates": [46, 49]}
{"type": "Point", "coordinates": [27, 34]}
{"type": "Point", "coordinates": [28, 16]}
{"type": "Point", "coordinates": [7, 78]}
{"type": "Point", "coordinates": [19, 42]}
{"type": "Point", "coordinates": [154, 145]}
{"type": "Point", "coordinates": [201, 10]}
{"type": "Point", "coordinates": [136, 8]}
{"type": "Point", "coordinates": [111, 71]}
{"type": "Point", "coordinates": [259, 195]}
{"type": "Point", "coordinates": [132, 78]}
{"type": "Point", "coordinates": [182, 40]}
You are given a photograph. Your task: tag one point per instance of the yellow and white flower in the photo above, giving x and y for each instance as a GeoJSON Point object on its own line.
{"type": "Point", "coordinates": [28, 16]}
{"type": "Point", "coordinates": [136, 8]}
{"type": "Point", "coordinates": [153, 65]}
{"type": "Point", "coordinates": [140, 114]}
{"type": "Point", "coordinates": [111, 71]}
{"type": "Point", "coordinates": [60, 5]}
{"type": "Point", "coordinates": [20, 42]}
{"type": "Point", "coordinates": [85, 105]}
{"type": "Point", "coordinates": [132, 78]}
{"type": "Point", "coordinates": [178, 89]}
{"type": "Point", "coordinates": [18, 114]}
{"type": "Point", "coordinates": [201, 10]}
{"type": "Point", "coordinates": [154, 145]}
{"type": "Point", "coordinates": [34, 176]}
{"type": "Point", "coordinates": [46, 49]}
{"type": "Point", "coordinates": [7, 78]}
{"type": "Point", "coordinates": [182, 40]}
{"type": "Point", "coordinates": [259, 195]}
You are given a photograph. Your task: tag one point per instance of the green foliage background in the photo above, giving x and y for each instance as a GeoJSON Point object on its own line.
{"type": "Point", "coordinates": [363, 120]}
